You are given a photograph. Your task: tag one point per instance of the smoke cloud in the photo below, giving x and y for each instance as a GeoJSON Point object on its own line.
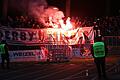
{"type": "Point", "coordinates": [47, 15]}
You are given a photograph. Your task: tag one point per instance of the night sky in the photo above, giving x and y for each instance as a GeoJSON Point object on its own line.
{"type": "Point", "coordinates": [78, 7]}
{"type": "Point", "coordinates": [88, 7]}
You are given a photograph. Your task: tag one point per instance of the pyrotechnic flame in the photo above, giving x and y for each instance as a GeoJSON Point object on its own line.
{"type": "Point", "coordinates": [68, 24]}
{"type": "Point", "coordinates": [52, 17]}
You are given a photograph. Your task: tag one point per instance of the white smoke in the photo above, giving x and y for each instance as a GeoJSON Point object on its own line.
{"type": "Point", "coordinates": [48, 16]}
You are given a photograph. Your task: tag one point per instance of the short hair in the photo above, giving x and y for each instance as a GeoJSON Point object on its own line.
{"type": "Point", "coordinates": [98, 38]}
{"type": "Point", "coordinates": [3, 42]}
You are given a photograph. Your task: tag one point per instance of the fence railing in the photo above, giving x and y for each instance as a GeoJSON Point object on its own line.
{"type": "Point", "coordinates": [114, 69]}
{"type": "Point", "coordinates": [112, 40]}
{"type": "Point", "coordinates": [113, 43]}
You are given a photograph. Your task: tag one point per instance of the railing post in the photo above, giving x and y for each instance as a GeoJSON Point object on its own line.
{"type": "Point", "coordinates": [87, 73]}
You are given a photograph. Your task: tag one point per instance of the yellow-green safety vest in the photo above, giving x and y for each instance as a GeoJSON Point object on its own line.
{"type": "Point", "coordinates": [99, 49]}
{"type": "Point", "coordinates": [2, 49]}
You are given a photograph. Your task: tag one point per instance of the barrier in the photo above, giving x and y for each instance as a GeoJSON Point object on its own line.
{"type": "Point", "coordinates": [26, 55]}
{"type": "Point", "coordinates": [113, 43]}
{"type": "Point", "coordinates": [57, 43]}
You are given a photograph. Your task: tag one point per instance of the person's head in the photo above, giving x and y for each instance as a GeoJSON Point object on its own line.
{"type": "Point", "coordinates": [3, 42]}
{"type": "Point", "coordinates": [98, 38]}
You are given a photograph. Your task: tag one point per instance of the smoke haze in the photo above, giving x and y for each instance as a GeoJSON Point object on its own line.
{"type": "Point", "coordinates": [45, 14]}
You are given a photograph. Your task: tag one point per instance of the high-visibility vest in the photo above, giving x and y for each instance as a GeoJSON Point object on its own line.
{"type": "Point", "coordinates": [2, 49]}
{"type": "Point", "coordinates": [99, 49]}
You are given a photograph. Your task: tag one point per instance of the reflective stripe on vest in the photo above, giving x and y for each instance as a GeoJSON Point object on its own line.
{"type": "Point", "coordinates": [99, 49]}
{"type": "Point", "coordinates": [2, 50]}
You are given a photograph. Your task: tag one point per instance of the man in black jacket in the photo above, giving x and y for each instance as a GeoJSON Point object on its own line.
{"type": "Point", "coordinates": [99, 52]}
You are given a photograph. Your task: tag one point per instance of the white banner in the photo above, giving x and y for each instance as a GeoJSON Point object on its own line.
{"type": "Point", "coordinates": [19, 35]}
{"type": "Point", "coordinates": [49, 35]}
{"type": "Point", "coordinates": [26, 55]}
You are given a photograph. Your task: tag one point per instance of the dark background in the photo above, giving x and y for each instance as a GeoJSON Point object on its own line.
{"type": "Point", "coordinates": [89, 7]}
{"type": "Point", "coordinates": [78, 7]}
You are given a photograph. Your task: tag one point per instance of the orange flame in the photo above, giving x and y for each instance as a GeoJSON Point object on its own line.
{"type": "Point", "coordinates": [67, 26]}
{"type": "Point", "coordinates": [66, 29]}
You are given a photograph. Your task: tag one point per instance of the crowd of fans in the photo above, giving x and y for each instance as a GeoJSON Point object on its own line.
{"type": "Point", "coordinates": [23, 22]}
{"type": "Point", "coordinates": [109, 25]}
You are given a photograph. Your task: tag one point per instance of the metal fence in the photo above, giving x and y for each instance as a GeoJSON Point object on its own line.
{"type": "Point", "coordinates": [113, 43]}
{"type": "Point", "coordinates": [58, 52]}
{"type": "Point", "coordinates": [112, 40]}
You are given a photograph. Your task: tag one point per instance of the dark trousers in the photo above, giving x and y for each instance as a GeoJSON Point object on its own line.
{"type": "Point", "coordinates": [100, 64]}
{"type": "Point", "coordinates": [5, 58]}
